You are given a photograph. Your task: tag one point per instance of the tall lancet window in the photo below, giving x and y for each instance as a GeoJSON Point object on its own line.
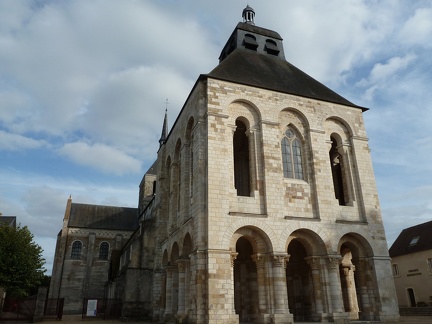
{"type": "Point", "coordinates": [292, 155]}
{"type": "Point", "coordinates": [336, 162]}
{"type": "Point", "coordinates": [241, 160]}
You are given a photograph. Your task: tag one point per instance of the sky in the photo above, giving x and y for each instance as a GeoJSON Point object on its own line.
{"type": "Point", "coordinates": [84, 84]}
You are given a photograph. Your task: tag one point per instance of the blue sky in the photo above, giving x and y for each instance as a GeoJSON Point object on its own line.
{"type": "Point", "coordinates": [83, 86]}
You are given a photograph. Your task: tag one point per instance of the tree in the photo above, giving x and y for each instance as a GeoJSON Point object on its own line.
{"type": "Point", "coordinates": [21, 260]}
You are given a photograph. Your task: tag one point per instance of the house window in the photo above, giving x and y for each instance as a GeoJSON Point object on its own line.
{"type": "Point", "coordinates": [241, 160]}
{"type": "Point", "coordinates": [429, 261]}
{"type": "Point", "coordinates": [103, 251]}
{"type": "Point", "coordinates": [76, 250]}
{"type": "Point", "coordinates": [414, 241]}
{"type": "Point", "coordinates": [292, 156]}
{"type": "Point", "coordinates": [395, 268]}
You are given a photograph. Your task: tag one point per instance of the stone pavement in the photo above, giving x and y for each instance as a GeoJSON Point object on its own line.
{"type": "Point", "coordinates": [72, 319]}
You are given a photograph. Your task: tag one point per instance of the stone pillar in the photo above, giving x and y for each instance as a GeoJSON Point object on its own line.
{"type": "Point", "coordinates": [260, 261]}
{"type": "Point", "coordinates": [233, 258]}
{"type": "Point", "coordinates": [168, 293]}
{"type": "Point", "coordinates": [314, 264]}
{"type": "Point", "coordinates": [181, 310]}
{"type": "Point", "coordinates": [351, 305]}
{"type": "Point", "coordinates": [366, 311]}
{"type": "Point", "coordinates": [158, 313]}
{"type": "Point", "coordinates": [337, 310]}
{"type": "Point", "coordinates": [40, 304]}
{"type": "Point", "coordinates": [281, 310]}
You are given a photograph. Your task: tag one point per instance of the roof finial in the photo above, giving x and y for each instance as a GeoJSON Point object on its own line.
{"type": "Point", "coordinates": [248, 15]}
{"type": "Point", "coordinates": [165, 125]}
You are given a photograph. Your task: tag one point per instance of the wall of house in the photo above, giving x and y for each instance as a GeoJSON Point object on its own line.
{"type": "Point", "coordinates": [414, 271]}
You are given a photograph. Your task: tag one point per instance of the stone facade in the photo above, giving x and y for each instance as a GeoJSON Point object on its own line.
{"type": "Point", "coordinates": [84, 251]}
{"type": "Point", "coordinates": [262, 205]}
{"type": "Point", "coordinates": [230, 235]}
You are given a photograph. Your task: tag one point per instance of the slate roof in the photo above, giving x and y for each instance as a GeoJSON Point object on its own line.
{"type": "Point", "coordinates": [153, 168]}
{"type": "Point", "coordinates": [103, 217]}
{"type": "Point", "coordinates": [270, 72]}
{"type": "Point", "coordinates": [402, 244]}
{"type": "Point", "coordinates": [8, 220]}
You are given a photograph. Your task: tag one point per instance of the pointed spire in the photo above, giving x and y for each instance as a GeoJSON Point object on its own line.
{"type": "Point", "coordinates": [248, 15]}
{"type": "Point", "coordinates": [164, 134]}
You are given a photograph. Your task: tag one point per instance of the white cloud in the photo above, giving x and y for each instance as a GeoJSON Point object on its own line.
{"type": "Point", "coordinates": [16, 142]}
{"type": "Point", "coordinates": [101, 157]}
{"type": "Point", "coordinates": [418, 29]}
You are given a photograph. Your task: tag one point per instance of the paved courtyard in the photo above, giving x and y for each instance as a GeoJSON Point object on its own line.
{"type": "Point", "coordinates": [70, 319]}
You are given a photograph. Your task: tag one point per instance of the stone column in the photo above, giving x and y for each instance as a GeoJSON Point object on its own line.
{"type": "Point", "coordinates": [347, 272]}
{"type": "Point", "coordinates": [366, 312]}
{"type": "Point", "coordinates": [337, 310]}
{"type": "Point", "coordinates": [233, 257]}
{"type": "Point", "coordinates": [181, 290]}
{"type": "Point", "coordinates": [168, 292]}
{"type": "Point", "coordinates": [281, 310]}
{"type": "Point", "coordinates": [260, 261]}
{"type": "Point", "coordinates": [314, 264]}
{"type": "Point", "coordinates": [159, 314]}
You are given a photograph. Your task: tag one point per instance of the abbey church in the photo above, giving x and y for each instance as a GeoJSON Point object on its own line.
{"type": "Point", "coordinates": [261, 207]}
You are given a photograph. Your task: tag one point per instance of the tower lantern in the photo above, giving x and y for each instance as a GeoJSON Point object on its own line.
{"type": "Point", "coordinates": [248, 15]}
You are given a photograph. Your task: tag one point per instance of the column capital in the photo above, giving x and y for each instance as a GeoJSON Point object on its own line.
{"type": "Point", "coordinates": [314, 262]}
{"type": "Point", "coordinates": [181, 263]}
{"type": "Point", "coordinates": [279, 259]}
{"type": "Point", "coordinates": [333, 261]}
{"type": "Point", "coordinates": [233, 257]}
{"type": "Point", "coordinates": [259, 259]}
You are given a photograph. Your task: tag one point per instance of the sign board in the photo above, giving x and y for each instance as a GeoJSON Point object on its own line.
{"type": "Point", "coordinates": [91, 307]}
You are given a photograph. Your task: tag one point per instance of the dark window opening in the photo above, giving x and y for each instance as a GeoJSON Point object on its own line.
{"type": "Point", "coordinates": [76, 250]}
{"type": "Point", "coordinates": [241, 160]}
{"type": "Point", "coordinates": [271, 47]}
{"type": "Point", "coordinates": [336, 168]}
{"type": "Point", "coordinates": [250, 42]}
{"type": "Point", "coordinates": [154, 188]}
{"type": "Point", "coordinates": [103, 251]}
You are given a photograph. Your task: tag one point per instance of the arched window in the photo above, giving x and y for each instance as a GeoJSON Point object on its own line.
{"type": "Point", "coordinates": [241, 160]}
{"type": "Point", "coordinates": [76, 250]}
{"type": "Point", "coordinates": [292, 156]}
{"type": "Point", "coordinates": [337, 174]}
{"type": "Point", "coordinates": [103, 251]}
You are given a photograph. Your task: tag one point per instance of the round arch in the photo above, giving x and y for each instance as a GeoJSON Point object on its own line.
{"type": "Point", "coordinates": [342, 124]}
{"type": "Point", "coordinates": [187, 246]}
{"type": "Point", "coordinates": [259, 240]}
{"type": "Point", "coordinates": [227, 237]}
{"type": "Point", "coordinates": [299, 115]}
{"type": "Point", "coordinates": [358, 245]}
{"type": "Point", "coordinates": [311, 241]}
{"type": "Point", "coordinates": [175, 252]}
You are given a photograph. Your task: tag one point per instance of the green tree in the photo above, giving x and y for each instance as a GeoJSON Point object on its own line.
{"type": "Point", "coordinates": [21, 260]}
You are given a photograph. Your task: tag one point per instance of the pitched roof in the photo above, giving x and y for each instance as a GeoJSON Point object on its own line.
{"type": "Point", "coordinates": [8, 220]}
{"type": "Point", "coordinates": [270, 72]}
{"type": "Point", "coordinates": [103, 217]}
{"type": "Point", "coordinates": [413, 239]}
